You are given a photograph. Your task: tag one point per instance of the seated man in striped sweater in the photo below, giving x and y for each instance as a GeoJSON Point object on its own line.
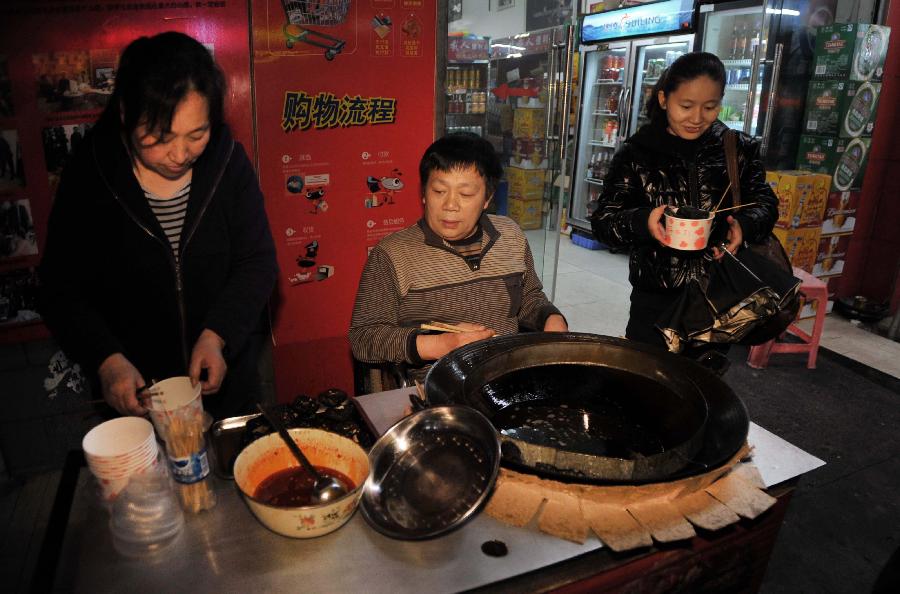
{"type": "Point", "coordinates": [456, 265]}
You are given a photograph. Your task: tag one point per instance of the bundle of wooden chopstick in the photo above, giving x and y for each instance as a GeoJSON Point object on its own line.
{"type": "Point", "coordinates": [185, 441]}
{"type": "Point", "coordinates": [442, 327]}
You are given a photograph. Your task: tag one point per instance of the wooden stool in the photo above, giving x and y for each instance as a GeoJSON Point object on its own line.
{"type": "Point", "coordinates": [813, 289]}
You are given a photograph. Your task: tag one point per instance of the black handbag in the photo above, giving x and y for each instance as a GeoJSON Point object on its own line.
{"type": "Point", "coordinates": [772, 253]}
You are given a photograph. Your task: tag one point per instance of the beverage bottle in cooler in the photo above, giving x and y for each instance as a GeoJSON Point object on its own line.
{"type": "Point", "coordinates": [742, 43]}
{"type": "Point", "coordinates": [733, 55]}
{"type": "Point", "coordinates": [612, 101]}
{"type": "Point", "coordinates": [754, 39]}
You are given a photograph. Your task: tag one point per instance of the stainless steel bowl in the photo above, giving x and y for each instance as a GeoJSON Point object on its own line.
{"type": "Point", "coordinates": [431, 472]}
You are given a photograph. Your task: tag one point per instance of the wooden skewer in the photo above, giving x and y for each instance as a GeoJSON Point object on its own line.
{"type": "Point", "coordinates": [438, 327]}
{"type": "Point", "coordinates": [715, 212]}
{"type": "Point", "coordinates": [725, 193]}
{"type": "Point", "coordinates": [446, 325]}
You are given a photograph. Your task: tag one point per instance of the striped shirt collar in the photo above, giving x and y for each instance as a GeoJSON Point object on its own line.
{"type": "Point", "coordinates": [488, 237]}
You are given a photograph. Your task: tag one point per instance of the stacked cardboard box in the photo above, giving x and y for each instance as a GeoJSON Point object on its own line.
{"type": "Point", "coordinates": [842, 102]}
{"type": "Point", "coordinates": [527, 169]}
{"type": "Point", "coordinates": [840, 116]}
{"type": "Point", "coordinates": [854, 51]}
{"type": "Point", "coordinates": [801, 206]}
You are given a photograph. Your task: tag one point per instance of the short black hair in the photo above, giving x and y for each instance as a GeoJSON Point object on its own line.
{"type": "Point", "coordinates": [684, 69]}
{"type": "Point", "coordinates": [154, 75]}
{"type": "Point", "coordinates": [460, 151]}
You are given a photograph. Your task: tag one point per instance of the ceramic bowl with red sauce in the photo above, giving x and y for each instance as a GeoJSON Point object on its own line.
{"type": "Point", "coordinates": [277, 489]}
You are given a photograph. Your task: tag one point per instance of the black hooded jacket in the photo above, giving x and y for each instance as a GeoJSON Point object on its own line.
{"type": "Point", "coordinates": [654, 168]}
{"type": "Point", "coordinates": [110, 282]}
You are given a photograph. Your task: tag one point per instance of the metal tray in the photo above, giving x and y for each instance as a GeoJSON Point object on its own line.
{"type": "Point", "coordinates": [225, 440]}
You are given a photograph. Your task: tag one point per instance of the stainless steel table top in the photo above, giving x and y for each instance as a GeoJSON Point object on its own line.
{"type": "Point", "coordinates": [227, 550]}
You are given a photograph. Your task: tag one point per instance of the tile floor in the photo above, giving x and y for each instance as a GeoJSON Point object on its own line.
{"type": "Point", "coordinates": [592, 291]}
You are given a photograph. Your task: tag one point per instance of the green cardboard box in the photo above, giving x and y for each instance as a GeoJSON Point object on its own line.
{"type": "Point", "coordinates": [853, 51]}
{"type": "Point", "coordinates": [844, 159]}
{"type": "Point", "coordinates": [841, 108]}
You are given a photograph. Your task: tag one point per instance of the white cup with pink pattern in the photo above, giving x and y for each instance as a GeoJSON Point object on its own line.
{"type": "Point", "coordinates": [687, 234]}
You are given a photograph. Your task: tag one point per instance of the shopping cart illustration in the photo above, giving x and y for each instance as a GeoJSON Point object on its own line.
{"type": "Point", "coordinates": [324, 13]}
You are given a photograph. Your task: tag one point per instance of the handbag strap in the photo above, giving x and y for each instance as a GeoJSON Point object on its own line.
{"type": "Point", "coordinates": [731, 164]}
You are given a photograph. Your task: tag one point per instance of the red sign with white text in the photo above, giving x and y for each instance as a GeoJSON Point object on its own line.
{"type": "Point", "coordinates": [345, 108]}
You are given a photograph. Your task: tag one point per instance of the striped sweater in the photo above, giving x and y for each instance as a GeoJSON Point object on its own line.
{"type": "Point", "coordinates": [413, 276]}
{"type": "Point", "coordinates": [170, 213]}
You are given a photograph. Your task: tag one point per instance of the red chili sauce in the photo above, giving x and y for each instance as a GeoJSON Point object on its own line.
{"type": "Point", "coordinates": [293, 487]}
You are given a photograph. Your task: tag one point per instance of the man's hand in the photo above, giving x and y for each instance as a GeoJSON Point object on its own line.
{"type": "Point", "coordinates": [734, 238]}
{"type": "Point", "coordinates": [656, 226]}
{"type": "Point", "coordinates": [555, 323]}
{"type": "Point", "coordinates": [119, 381]}
{"type": "Point", "coordinates": [435, 346]}
{"type": "Point", "coordinates": [207, 354]}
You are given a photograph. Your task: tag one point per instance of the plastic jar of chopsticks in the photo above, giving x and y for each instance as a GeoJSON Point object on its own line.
{"type": "Point", "coordinates": [176, 410]}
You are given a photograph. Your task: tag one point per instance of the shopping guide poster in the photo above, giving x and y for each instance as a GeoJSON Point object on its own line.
{"type": "Point", "coordinates": [345, 107]}
{"type": "Point", "coordinates": [58, 61]}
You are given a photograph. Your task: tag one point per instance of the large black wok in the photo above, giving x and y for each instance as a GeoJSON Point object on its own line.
{"type": "Point", "coordinates": [589, 408]}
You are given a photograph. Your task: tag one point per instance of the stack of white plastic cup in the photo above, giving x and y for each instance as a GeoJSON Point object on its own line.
{"type": "Point", "coordinates": [117, 450]}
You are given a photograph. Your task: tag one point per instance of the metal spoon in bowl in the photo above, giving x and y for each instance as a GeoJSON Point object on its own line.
{"type": "Point", "coordinates": [325, 488]}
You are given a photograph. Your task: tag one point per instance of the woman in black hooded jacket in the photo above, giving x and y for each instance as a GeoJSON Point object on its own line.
{"type": "Point", "coordinates": [678, 159]}
{"type": "Point", "coordinates": [159, 260]}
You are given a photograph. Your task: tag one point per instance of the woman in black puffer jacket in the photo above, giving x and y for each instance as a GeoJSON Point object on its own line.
{"type": "Point", "coordinates": [679, 159]}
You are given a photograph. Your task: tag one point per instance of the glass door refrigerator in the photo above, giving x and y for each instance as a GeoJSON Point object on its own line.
{"type": "Point", "coordinates": [734, 31]}
{"type": "Point", "coordinates": [602, 118]}
{"type": "Point", "coordinates": [652, 57]}
{"type": "Point", "coordinates": [623, 53]}
{"type": "Point", "coordinates": [767, 47]}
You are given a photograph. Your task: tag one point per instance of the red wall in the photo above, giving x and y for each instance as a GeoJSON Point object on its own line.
{"type": "Point", "coordinates": [29, 28]}
{"type": "Point", "coordinates": [871, 268]}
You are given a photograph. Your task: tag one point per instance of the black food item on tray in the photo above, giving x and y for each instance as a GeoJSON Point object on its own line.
{"type": "Point", "coordinates": [304, 406]}
{"type": "Point", "coordinates": [333, 397]}
{"type": "Point", "coordinates": [341, 412]}
{"type": "Point", "coordinates": [287, 414]}
{"type": "Point", "coordinates": [331, 411]}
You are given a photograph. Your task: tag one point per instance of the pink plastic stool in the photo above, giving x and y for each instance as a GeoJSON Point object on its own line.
{"type": "Point", "coordinates": [813, 289]}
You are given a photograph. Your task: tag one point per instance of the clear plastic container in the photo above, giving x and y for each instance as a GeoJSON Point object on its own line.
{"type": "Point", "coordinates": [146, 517]}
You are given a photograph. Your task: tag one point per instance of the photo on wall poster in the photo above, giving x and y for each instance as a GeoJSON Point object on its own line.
{"type": "Point", "coordinates": [60, 143]}
{"type": "Point", "coordinates": [540, 14]}
{"type": "Point", "coordinates": [6, 104]}
{"type": "Point", "coordinates": [75, 80]}
{"type": "Point", "coordinates": [454, 10]}
{"type": "Point", "coordinates": [16, 230]}
{"type": "Point", "coordinates": [12, 172]}
{"type": "Point", "coordinates": [18, 296]}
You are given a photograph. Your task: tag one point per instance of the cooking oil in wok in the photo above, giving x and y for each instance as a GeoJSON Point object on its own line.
{"type": "Point", "coordinates": [581, 408]}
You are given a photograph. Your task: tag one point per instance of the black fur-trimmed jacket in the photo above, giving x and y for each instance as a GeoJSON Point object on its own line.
{"type": "Point", "coordinates": [110, 282]}
{"type": "Point", "coordinates": [648, 171]}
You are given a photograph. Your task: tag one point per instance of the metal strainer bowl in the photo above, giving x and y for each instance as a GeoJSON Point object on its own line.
{"type": "Point", "coordinates": [431, 472]}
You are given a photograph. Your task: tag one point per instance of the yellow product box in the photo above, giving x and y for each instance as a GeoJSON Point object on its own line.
{"type": "Point", "coordinates": [801, 245]}
{"type": "Point", "coordinates": [527, 213]}
{"type": "Point", "coordinates": [526, 184]}
{"type": "Point", "coordinates": [802, 196]}
{"type": "Point", "coordinates": [530, 122]}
